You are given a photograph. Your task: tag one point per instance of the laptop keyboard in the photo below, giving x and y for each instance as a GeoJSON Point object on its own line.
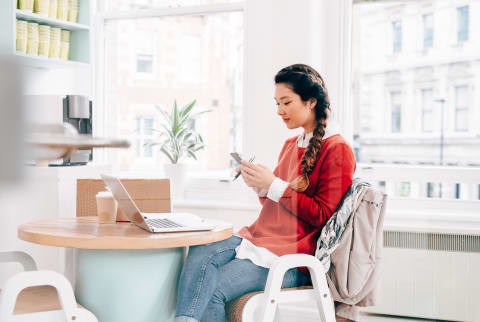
{"type": "Point", "coordinates": [162, 223]}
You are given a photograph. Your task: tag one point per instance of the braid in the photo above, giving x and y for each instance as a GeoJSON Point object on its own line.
{"type": "Point", "coordinates": [309, 158]}
{"type": "Point", "coordinates": [307, 82]}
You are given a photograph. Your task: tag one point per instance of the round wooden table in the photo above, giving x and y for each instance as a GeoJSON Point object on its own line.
{"type": "Point", "coordinates": [123, 273]}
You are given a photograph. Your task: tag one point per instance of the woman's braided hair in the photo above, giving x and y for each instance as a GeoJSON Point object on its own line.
{"type": "Point", "coordinates": [308, 84]}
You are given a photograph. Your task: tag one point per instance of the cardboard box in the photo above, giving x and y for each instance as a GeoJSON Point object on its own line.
{"type": "Point", "coordinates": [150, 195]}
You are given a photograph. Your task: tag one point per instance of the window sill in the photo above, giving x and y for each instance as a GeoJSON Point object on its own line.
{"type": "Point", "coordinates": [215, 204]}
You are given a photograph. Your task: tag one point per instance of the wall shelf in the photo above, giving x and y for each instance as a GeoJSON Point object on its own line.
{"type": "Point", "coordinates": [42, 19]}
{"type": "Point", "coordinates": [80, 52]}
{"type": "Point", "coordinates": [40, 62]}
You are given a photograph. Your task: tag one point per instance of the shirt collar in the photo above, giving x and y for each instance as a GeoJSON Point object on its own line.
{"type": "Point", "coordinates": [303, 139]}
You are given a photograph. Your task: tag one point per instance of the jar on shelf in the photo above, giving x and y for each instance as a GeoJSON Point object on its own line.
{"type": "Point", "coordinates": [55, 42]}
{"type": "Point", "coordinates": [21, 38]}
{"type": "Point", "coordinates": [52, 9]}
{"type": "Point", "coordinates": [44, 40]}
{"type": "Point", "coordinates": [41, 7]}
{"type": "Point", "coordinates": [26, 5]}
{"type": "Point", "coordinates": [73, 10]}
{"type": "Point", "coordinates": [62, 9]}
{"type": "Point", "coordinates": [65, 45]}
{"type": "Point", "coordinates": [32, 42]}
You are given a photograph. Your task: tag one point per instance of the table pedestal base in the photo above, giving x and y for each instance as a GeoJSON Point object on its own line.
{"type": "Point", "coordinates": [129, 285]}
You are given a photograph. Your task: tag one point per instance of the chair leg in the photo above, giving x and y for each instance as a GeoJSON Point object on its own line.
{"type": "Point", "coordinates": [273, 294]}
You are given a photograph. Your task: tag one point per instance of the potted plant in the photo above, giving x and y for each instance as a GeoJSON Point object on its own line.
{"type": "Point", "coordinates": [178, 141]}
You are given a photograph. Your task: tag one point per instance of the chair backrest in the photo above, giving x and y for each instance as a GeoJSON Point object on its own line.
{"type": "Point", "coordinates": [150, 195]}
{"type": "Point", "coordinates": [23, 258]}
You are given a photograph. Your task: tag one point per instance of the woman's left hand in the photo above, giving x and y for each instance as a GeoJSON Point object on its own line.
{"type": "Point", "coordinates": [256, 175]}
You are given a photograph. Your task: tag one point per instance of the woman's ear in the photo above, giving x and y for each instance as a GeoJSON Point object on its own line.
{"type": "Point", "coordinates": [313, 103]}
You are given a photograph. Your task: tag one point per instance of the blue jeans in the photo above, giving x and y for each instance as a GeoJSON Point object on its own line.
{"type": "Point", "coordinates": [212, 276]}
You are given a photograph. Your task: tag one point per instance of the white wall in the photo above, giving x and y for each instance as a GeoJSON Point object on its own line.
{"type": "Point", "coordinates": [280, 33]}
{"type": "Point", "coordinates": [57, 81]}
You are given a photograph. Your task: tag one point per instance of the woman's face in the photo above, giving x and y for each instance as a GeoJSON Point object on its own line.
{"type": "Point", "coordinates": [294, 112]}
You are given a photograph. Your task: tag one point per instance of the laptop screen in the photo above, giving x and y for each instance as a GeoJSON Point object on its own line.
{"type": "Point", "coordinates": [123, 198]}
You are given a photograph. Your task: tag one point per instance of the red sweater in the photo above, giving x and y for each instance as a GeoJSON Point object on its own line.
{"type": "Point", "coordinates": [293, 224]}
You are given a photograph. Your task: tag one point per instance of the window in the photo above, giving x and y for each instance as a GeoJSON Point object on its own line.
{"type": "Point", "coordinates": [145, 48]}
{"type": "Point", "coordinates": [461, 108]}
{"type": "Point", "coordinates": [144, 131]}
{"type": "Point", "coordinates": [192, 57]}
{"type": "Point", "coordinates": [434, 190]}
{"type": "Point", "coordinates": [397, 36]}
{"type": "Point", "coordinates": [396, 101]}
{"type": "Point", "coordinates": [457, 191]}
{"type": "Point", "coordinates": [463, 20]}
{"type": "Point", "coordinates": [428, 31]}
{"type": "Point", "coordinates": [405, 94]}
{"type": "Point", "coordinates": [145, 64]}
{"type": "Point", "coordinates": [427, 110]}
{"type": "Point", "coordinates": [404, 189]}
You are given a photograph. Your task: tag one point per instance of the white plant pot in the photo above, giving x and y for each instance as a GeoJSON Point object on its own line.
{"type": "Point", "coordinates": [177, 173]}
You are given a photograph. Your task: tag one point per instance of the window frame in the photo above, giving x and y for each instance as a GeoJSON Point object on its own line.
{"type": "Point", "coordinates": [431, 110]}
{"type": "Point", "coordinates": [397, 44]}
{"type": "Point", "coordinates": [100, 113]}
{"type": "Point", "coordinates": [428, 33]}
{"type": "Point", "coordinates": [465, 109]}
{"type": "Point", "coordinates": [146, 75]}
{"type": "Point", "coordinates": [461, 38]}
{"type": "Point", "coordinates": [395, 109]}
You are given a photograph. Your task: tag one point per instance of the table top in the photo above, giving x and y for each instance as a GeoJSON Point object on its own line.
{"type": "Point", "coordinates": [87, 233]}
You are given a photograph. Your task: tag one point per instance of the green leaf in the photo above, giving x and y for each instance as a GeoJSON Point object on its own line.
{"type": "Point", "coordinates": [192, 155]}
{"type": "Point", "coordinates": [164, 114]}
{"type": "Point", "coordinates": [167, 130]}
{"type": "Point", "coordinates": [183, 122]}
{"type": "Point", "coordinates": [167, 154]}
{"type": "Point", "coordinates": [175, 118]}
{"type": "Point", "coordinates": [180, 133]}
{"type": "Point", "coordinates": [186, 110]}
{"type": "Point", "coordinates": [197, 115]}
{"type": "Point", "coordinates": [188, 135]}
{"type": "Point", "coordinates": [150, 144]}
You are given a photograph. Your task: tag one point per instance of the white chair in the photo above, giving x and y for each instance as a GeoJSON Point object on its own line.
{"type": "Point", "coordinates": [40, 296]}
{"type": "Point", "coordinates": [262, 306]}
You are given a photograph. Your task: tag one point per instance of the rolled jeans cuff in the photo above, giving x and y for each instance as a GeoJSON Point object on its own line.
{"type": "Point", "coordinates": [184, 319]}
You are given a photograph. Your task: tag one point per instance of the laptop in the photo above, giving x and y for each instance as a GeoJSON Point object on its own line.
{"type": "Point", "coordinates": [153, 222]}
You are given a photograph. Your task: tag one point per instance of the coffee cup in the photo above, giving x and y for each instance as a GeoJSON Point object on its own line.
{"type": "Point", "coordinates": [106, 207]}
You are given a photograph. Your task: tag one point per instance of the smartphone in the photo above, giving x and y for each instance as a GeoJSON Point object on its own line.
{"type": "Point", "coordinates": [236, 156]}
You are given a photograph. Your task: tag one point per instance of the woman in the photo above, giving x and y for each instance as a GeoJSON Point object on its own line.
{"type": "Point", "coordinates": [314, 171]}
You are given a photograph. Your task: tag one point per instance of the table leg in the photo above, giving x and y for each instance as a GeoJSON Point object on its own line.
{"type": "Point", "coordinates": [129, 285]}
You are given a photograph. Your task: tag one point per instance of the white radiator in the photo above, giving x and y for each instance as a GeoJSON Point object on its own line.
{"type": "Point", "coordinates": [430, 275]}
